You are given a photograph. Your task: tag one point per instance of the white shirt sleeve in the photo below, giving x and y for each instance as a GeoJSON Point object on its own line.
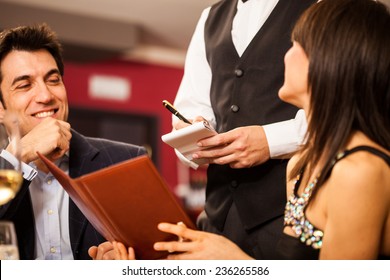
{"type": "Point", "coordinates": [286, 137]}
{"type": "Point", "coordinates": [28, 172]}
{"type": "Point", "coordinates": [193, 96]}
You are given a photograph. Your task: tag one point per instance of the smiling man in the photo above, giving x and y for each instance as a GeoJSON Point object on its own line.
{"type": "Point", "coordinates": [48, 224]}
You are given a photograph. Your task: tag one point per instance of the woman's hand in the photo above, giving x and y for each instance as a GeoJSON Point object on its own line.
{"type": "Point", "coordinates": [194, 244]}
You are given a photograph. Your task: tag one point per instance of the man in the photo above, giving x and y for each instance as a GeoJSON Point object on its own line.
{"type": "Point", "coordinates": [234, 69]}
{"type": "Point", "coordinates": [48, 224]}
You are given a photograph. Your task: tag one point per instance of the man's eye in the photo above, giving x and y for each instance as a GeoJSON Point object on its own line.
{"type": "Point", "coordinates": [23, 86]}
{"type": "Point", "coordinates": [54, 81]}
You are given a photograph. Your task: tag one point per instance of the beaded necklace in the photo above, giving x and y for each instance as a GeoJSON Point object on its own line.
{"type": "Point", "coordinates": [294, 215]}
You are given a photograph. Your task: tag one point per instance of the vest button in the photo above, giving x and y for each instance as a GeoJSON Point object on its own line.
{"type": "Point", "coordinates": [239, 72]}
{"type": "Point", "coordinates": [234, 184]}
{"type": "Point", "coordinates": [234, 108]}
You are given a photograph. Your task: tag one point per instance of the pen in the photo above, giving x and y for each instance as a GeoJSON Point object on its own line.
{"type": "Point", "coordinates": [172, 109]}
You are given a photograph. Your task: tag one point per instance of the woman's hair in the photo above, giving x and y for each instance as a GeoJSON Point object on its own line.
{"type": "Point", "coordinates": [348, 46]}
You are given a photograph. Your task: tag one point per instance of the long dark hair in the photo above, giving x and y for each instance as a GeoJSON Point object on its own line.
{"type": "Point", "coordinates": [348, 46]}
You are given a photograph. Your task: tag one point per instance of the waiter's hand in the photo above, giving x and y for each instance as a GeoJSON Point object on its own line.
{"type": "Point", "coordinates": [180, 124]}
{"type": "Point", "coordinates": [240, 148]}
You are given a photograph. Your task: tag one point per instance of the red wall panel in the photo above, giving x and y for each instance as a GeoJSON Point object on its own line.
{"type": "Point", "coordinates": [150, 84]}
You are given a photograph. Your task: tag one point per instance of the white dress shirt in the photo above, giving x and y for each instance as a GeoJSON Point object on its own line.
{"type": "Point", "coordinates": [51, 210]}
{"type": "Point", "coordinates": [193, 97]}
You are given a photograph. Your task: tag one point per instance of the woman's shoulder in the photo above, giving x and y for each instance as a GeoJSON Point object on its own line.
{"type": "Point", "coordinates": [293, 161]}
{"type": "Point", "coordinates": [362, 171]}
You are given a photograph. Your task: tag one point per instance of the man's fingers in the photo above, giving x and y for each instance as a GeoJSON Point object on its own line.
{"type": "Point", "coordinates": [92, 251]}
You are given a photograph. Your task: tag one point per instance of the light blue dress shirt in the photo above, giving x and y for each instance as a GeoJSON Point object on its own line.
{"type": "Point", "coordinates": [51, 210]}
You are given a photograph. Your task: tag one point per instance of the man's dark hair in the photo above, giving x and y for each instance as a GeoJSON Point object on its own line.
{"type": "Point", "coordinates": [30, 38]}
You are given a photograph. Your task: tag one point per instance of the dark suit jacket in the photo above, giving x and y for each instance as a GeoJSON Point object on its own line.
{"type": "Point", "coordinates": [86, 155]}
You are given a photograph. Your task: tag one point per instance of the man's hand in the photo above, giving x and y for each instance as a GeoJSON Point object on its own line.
{"type": "Point", "coordinates": [240, 148]}
{"type": "Point", "coordinates": [121, 253]}
{"type": "Point", "coordinates": [105, 251]}
{"type": "Point", "coordinates": [51, 138]}
{"type": "Point", "coordinates": [180, 124]}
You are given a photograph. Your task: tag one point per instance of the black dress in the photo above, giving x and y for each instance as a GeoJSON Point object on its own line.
{"type": "Point", "coordinates": [309, 241]}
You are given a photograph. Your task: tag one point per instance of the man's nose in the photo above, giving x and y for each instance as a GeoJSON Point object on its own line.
{"type": "Point", "coordinates": [43, 93]}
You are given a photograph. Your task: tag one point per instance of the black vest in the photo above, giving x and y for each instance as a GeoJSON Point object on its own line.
{"type": "Point", "coordinates": [244, 91]}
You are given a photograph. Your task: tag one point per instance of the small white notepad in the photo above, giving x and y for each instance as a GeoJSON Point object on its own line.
{"type": "Point", "coordinates": [184, 140]}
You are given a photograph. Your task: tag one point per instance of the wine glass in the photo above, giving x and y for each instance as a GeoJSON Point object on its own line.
{"type": "Point", "coordinates": [10, 166]}
{"type": "Point", "coordinates": [8, 242]}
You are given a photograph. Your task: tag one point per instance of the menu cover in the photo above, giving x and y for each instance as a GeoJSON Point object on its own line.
{"type": "Point", "coordinates": [185, 140]}
{"type": "Point", "coordinates": [125, 202]}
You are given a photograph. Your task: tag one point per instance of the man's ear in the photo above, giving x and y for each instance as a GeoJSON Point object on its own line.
{"type": "Point", "coordinates": [2, 103]}
{"type": "Point", "coordinates": [2, 112]}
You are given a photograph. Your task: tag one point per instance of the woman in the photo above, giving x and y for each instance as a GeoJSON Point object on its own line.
{"type": "Point", "coordinates": [338, 185]}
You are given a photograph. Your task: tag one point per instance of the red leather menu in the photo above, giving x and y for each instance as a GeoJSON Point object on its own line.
{"type": "Point", "coordinates": [125, 202]}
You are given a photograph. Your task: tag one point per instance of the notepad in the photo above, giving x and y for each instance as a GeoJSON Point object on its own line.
{"type": "Point", "coordinates": [125, 202]}
{"type": "Point", "coordinates": [185, 140]}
